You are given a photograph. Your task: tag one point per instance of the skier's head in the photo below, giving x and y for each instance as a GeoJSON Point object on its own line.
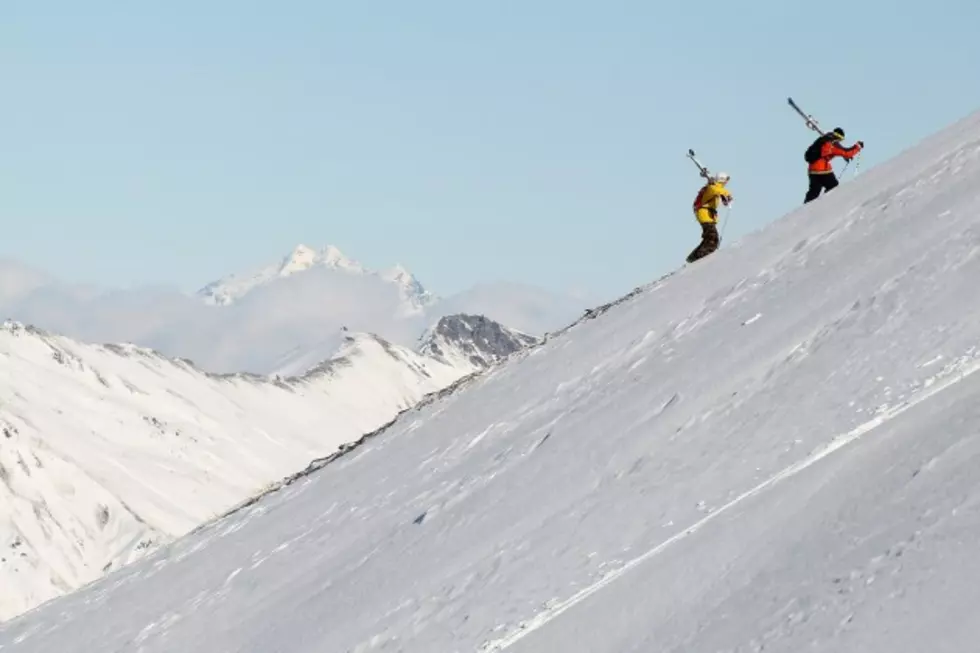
{"type": "Point", "coordinates": [837, 134]}
{"type": "Point", "coordinates": [722, 178]}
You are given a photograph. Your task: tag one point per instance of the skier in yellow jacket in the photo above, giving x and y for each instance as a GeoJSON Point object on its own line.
{"type": "Point", "coordinates": [706, 211]}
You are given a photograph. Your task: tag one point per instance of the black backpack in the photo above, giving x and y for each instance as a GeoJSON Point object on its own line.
{"type": "Point", "coordinates": [812, 154]}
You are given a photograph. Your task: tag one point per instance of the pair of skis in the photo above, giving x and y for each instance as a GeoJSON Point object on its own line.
{"type": "Point", "coordinates": [704, 171]}
{"type": "Point", "coordinates": [811, 123]}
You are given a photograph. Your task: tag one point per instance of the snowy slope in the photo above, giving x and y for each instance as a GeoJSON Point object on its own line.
{"type": "Point", "coordinates": [107, 451]}
{"type": "Point", "coordinates": [775, 449]}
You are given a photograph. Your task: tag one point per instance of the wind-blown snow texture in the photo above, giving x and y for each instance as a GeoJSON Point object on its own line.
{"type": "Point", "coordinates": [777, 448]}
{"type": "Point", "coordinates": [106, 452]}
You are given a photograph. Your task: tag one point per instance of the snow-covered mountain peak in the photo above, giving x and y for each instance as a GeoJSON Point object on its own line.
{"type": "Point", "coordinates": [415, 295]}
{"type": "Point", "coordinates": [472, 340]}
{"type": "Point", "coordinates": [304, 258]}
{"type": "Point", "coordinates": [301, 258]}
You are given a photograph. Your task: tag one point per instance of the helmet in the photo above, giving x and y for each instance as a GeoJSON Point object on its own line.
{"type": "Point", "coordinates": [722, 177]}
{"type": "Point", "coordinates": [839, 133]}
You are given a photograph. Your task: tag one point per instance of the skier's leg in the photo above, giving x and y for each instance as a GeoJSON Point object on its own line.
{"type": "Point", "coordinates": [709, 242]}
{"type": "Point", "coordinates": [830, 182]}
{"type": "Point", "coordinates": [816, 185]}
{"type": "Point", "coordinates": [701, 215]}
{"type": "Point", "coordinates": [710, 238]}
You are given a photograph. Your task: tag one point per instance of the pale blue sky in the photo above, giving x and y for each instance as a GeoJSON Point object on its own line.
{"type": "Point", "coordinates": [533, 140]}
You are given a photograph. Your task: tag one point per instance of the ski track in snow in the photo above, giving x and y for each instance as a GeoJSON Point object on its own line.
{"type": "Point", "coordinates": [557, 609]}
{"type": "Point", "coordinates": [669, 474]}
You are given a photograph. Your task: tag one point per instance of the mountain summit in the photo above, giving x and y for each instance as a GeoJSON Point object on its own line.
{"type": "Point", "coordinates": [472, 340]}
{"type": "Point", "coordinates": [303, 258]}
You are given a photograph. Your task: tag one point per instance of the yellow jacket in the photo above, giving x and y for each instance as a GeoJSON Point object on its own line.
{"type": "Point", "coordinates": [706, 203]}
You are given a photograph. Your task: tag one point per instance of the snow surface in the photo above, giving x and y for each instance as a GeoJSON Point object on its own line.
{"type": "Point", "coordinates": [776, 449]}
{"type": "Point", "coordinates": [109, 451]}
{"type": "Point", "coordinates": [273, 319]}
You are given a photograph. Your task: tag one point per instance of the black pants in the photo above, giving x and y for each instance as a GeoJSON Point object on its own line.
{"type": "Point", "coordinates": [820, 182]}
{"type": "Point", "coordinates": [709, 242]}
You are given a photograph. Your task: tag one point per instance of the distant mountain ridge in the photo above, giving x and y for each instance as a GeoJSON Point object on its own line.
{"type": "Point", "coordinates": [109, 451]}
{"type": "Point", "coordinates": [280, 318]}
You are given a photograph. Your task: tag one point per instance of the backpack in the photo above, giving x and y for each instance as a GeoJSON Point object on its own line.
{"type": "Point", "coordinates": [812, 154]}
{"type": "Point", "coordinates": [697, 200]}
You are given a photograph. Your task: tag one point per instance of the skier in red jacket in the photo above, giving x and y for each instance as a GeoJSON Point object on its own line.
{"type": "Point", "coordinates": [821, 173]}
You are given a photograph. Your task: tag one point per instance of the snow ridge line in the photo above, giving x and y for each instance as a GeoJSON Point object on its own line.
{"type": "Point", "coordinates": [525, 628]}
{"type": "Point", "coordinates": [319, 463]}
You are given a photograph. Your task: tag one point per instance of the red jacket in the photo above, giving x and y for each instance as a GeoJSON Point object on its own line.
{"type": "Point", "coordinates": [829, 150]}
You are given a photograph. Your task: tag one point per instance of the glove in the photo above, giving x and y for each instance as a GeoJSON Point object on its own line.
{"type": "Point", "coordinates": [860, 144]}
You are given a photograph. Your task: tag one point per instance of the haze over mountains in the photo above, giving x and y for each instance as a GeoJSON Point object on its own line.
{"type": "Point", "coordinates": [262, 321]}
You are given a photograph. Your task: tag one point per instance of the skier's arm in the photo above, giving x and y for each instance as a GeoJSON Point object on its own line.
{"type": "Point", "coordinates": [848, 153]}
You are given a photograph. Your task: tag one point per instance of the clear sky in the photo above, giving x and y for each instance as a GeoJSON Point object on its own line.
{"type": "Point", "coordinates": [532, 140]}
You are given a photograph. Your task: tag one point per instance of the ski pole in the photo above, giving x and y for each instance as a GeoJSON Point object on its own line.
{"type": "Point", "coordinates": [857, 164]}
{"type": "Point", "coordinates": [728, 217]}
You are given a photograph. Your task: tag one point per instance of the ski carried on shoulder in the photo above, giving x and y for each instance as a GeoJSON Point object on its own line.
{"type": "Point", "coordinates": [810, 121]}
{"type": "Point", "coordinates": [693, 157]}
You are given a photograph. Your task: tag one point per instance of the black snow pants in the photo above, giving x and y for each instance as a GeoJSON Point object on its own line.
{"type": "Point", "coordinates": [826, 181]}
{"type": "Point", "coordinates": [709, 242]}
